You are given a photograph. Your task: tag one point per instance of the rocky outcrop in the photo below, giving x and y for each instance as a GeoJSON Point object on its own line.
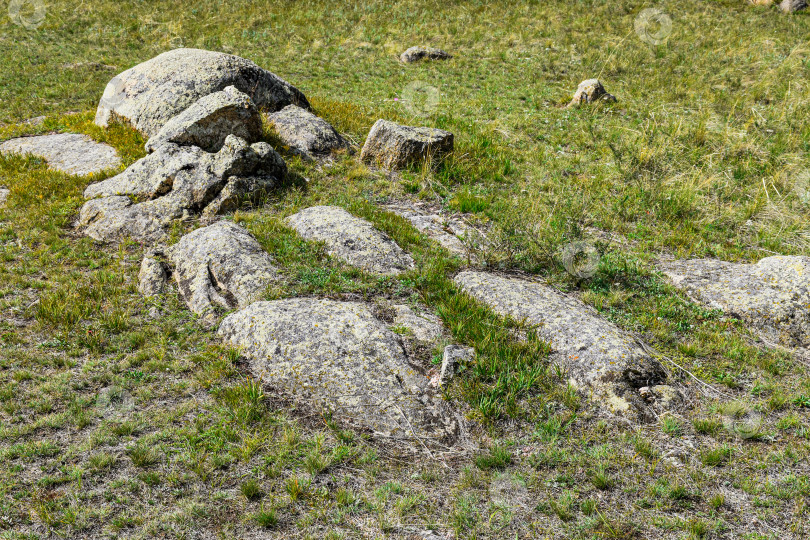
{"type": "Point", "coordinates": [446, 230]}
{"type": "Point", "coordinates": [176, 182]}
{"type": "Point", "coordinates": [424, 326]}
{"type": "Point", "coordinates": [599, 357]}
{"type": "Point", "coordinates": [152, 277]}
{"type": "Point", "coordinates": [417, 54]}
{"type": "Point", "coordinates": [148, 95]}
{"type": "Point", "coordinates": [66, 152]}
{"type": "Point", "coordinates": [352, 239]}
{"type": "Point", "coordinates": [336, 356]}
{"type": "Point", "coordinates": [306, 133]}
{"type": "Point", "coordinates": [394, 146]}
{"type": "Point", "coordinates": [771, 296]}
{"type": "Point", "coordinates": [209, 121]}
{"type": "Point", "coordinates": [590, 91]}
{"type": "Point", "coordinates": [221, 265]}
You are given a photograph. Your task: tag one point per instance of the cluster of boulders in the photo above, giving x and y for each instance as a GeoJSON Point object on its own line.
{"type": "Point", "coordinates": [202, 114]}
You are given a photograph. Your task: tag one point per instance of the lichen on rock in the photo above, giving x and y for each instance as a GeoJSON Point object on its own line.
{"type": "Point", "coordinates": [394, 146]}
{"type": "Point", "coordinates": [71, 153]}
{"type": "Point", "coordinates": [310, 135]}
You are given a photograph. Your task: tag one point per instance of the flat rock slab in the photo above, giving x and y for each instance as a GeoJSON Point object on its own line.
{"type": "Point", "coordinates": [599, 357]}
{"type": "Point", "coordinates": [771, 296]}
{"type": "Point", "coordinates": [220, 265]}
{"type": "Point", "coordinates": [303, 131]}
{"type": "Point", "coordinates": [209, 121]}
{"type": "Point", "coordinates": [351, 239]}
{"type": "Point", "coordinates": [394, 146]}
{"type": "Point", "coordinates": [176, 182]}
{"type": "Point", "coordinates": [417, 54]}
{"type": "Point", "coordinates": [71, 153]}
{"type": "Point", "coordinates": [338, 356]}
{"type": "Point", "coordinates": [150, 94]}
{"type": "Point", "coordinates": [423, 325]}
{"type": "Point", "coordinates": [446, 231]}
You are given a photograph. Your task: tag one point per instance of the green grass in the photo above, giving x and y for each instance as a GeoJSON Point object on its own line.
{"type": "Point", "coordinates": [704, 155]}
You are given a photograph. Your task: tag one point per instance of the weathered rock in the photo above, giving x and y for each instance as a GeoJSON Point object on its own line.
{"type": "Point", "coordinates": [445, 230]}
{"type": "Point", "coordinates": [393, 146]}
{"type": "Point", "coordinates": [238, 191]}
{"type": "Point", "coordinates": [338, 356]}
{"type": "Point", "coordinates": [305, 132]}
{"type": "Point", "coordinates": [71, 153]}
{"type": "Point", "coordinates": [770, 296]}
{"type": "Point", "coordinates": [150, 94]}
{"type": "Point", "coordinates": [352, 239]}
{"type": "Point", "coordinates": [590, 91]}
{"type": "Point", "coordinates": [453, 356]}
{"type": "Point", "coordinates": [424, 326]}
{"type": "Point", "coordinates": [4, 193]}
{"type": "Point", "coordinates": [416, 54]}
{"type": "Point", "coordinates": [598, 356]}
{"type": "Point", "coordinates": [178, 181]}
{"type": "Point", "coordinates": [152, 277]}
{"type": "Point", "coordinates": [220, 265]}
{"type": "Point", "coordinates": [791, 6]}
{"type": "Point", "coordinates": [210, 120]}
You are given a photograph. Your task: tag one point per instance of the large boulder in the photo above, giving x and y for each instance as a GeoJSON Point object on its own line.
{"type": "Point", "coordinates": [599, 357]}
{"type": "Point", "coordinates": [336, 356]}
{"type": "Point", "coordinates": [416, 54]}
{"type": "Point", "coordinates": [394, 146]}
{"type": "Point", "coordinates": [352, 239]}
{"type": "Point", "coordinates": [221, 265]}
{"type": "Point", "coordinates": [209, 121]}
{"type": "Point", "coordinates": [771, 296]}
{"type": "Point", "coordinates": [301, 130]}
{"type": "Point", "coordinates": [71, 153]}
{"type": "Point", "coordinates": [176, 182]}
{"type": "Point", "coordinates": [151, 93]}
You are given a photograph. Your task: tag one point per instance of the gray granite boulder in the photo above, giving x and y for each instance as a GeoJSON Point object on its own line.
{"type": "Point", "coordinates": [394, 146]}
{"type": "Point", "coordinates": [150, 94]}
{"type": "Point", "coordinates": [337, 356]}
{"type": "Point", "coordinates": [590, 91]}
{"type": "Point", "coordinates": [301, 130]}
{"type": "Point", "coordinates": [599, 357]}
{"type": "Point", "coordinates": [791, 6]}
{"type": "Point", "coordinates": [71, 153]}
{"type": "Point", "coordinates": [221, 265]}
{"type": "Point", "coordinates": [416, 54]}
{"type": "Point", "coordinates": [352, 239]}
{"type": "Point", "coordinates": [176, 182]}
{"type": "Point", "coordinates": [210, 120]}
{"type": "Point", "coordinates": [771, 296]}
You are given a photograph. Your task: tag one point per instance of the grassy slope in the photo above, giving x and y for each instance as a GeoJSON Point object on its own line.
{"type": "Point", "coordinates": [704, 155]}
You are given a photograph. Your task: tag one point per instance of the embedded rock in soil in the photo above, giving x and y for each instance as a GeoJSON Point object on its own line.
{"type": "Point", "coordinates": [771, 296]}
{"type": "Point", "coordinates": [220, 265]}
{"type": "Point", "coordinates": [424, 326]}
{"type": "Point", "coordinates": [393, 146]}
{"type": "Point", "coordinates": [4, 193]}
{"type": "Point", "coordinates": [71, 153]}
{"type": "Point", "coordinates": [598, 356]}
{"type": "Point", "coordinates": [337, 356]}
{"type": "Point", "coordinates": [453, 356]}
{"type": "Point", "coordinates": [590, 91]}
{"type": "Point", "coordinates": [152, 277]}
{"type": "Point", "coordinates": [209, 121]}
{"type": "Point", "coordinates": [308, 134]}
{"type": "Point", "coordinates": [447, 231]}
{"type": "Point", "coordinates": [352, 239]}
{"type": "Point", "coordinates": [177, 182]}
{"type": "Point", "coordinates": [791, 6]}
{"type": "Point", "coordinates": [150, 94]}
{"type": "Point", "coordinates": [416, 54]}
